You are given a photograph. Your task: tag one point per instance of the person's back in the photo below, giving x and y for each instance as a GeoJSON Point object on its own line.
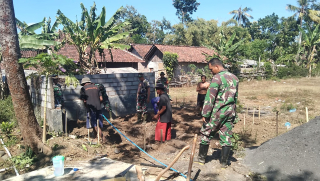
{"type": "Point", "coordinates": [91, 94]}
{"type": "Point", "coordinates": [225, 100]}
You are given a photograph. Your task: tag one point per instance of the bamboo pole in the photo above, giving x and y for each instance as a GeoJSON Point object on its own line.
{"type": "Point", "coordinates": [191, 156]}
{"type": "Point", "coordinates": [277, 125]}
{"type": "Point", "coordinates": [144, 137]}
{"type": "Point", "coordinates": [66, 121]}
{"type": "Point", "coordinates": [89, 136]}
{"type": "Point", "coordinates": [44, 131]}
{"type": "Point", "coordinates": [307, 114]}
{"type": "Point", "coordinates": [171, 164]}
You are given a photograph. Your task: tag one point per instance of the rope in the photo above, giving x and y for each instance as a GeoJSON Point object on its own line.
{"type": "Point", "coordinates": [142, 149]}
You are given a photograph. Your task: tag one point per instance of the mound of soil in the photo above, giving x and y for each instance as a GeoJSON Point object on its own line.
{"type": "Point", "coordinates": [294, 155]}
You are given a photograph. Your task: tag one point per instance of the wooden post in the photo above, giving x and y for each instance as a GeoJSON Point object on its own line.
{"type": "Point", "coordinates": [110, 116]}
{"type": "Point", "coordinates": [307, 115]}
{"type": "Point", "coordinates": [277, 125]}
{"type": "Point", "coordinates": [89, 135]}
{"type": "Point", "coordinates": [98, 131]}
{"type": "Point", "coordinates": [191, 157]}
{"type": "Point", "coordinates": [171, 164]}
{"type": "Point", "coordinates": [259, 113]}
{"type": "Point", "coordinates": [176, 102]}
{"type": "Point", "coordinates": [44, 131]}
{"type": "Point", "coordinates": [144, 137]}
{"type": "Point", "coordinates": [66, 121]}
{"type": "Point", "coordinates": [254, 110]}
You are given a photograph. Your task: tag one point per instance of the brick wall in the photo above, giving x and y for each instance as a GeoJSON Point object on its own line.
{"type": "Point", "coordinates": [121, 89]}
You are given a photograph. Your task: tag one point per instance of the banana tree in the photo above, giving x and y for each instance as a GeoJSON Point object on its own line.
{"type": "Point", "coordinates": [26, 29]}
{"type": "Point", "coordinates": [311, 38]}
{"type": "Point", "coordinates": [226, 50]}
{"type": "Point", "coordinates": [94, 33]}
{"type": "Point", "coordinates": [104, 34]}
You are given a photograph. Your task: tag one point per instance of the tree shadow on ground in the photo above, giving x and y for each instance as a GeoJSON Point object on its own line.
{"type": "Point", "coordinates": [273, 174]}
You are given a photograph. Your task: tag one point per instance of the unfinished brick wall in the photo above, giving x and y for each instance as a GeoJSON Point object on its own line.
{"type": "Point", "coordinates": [121, 89]}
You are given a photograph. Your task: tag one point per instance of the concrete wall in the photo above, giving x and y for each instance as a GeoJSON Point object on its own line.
{"type": "Point", "coordinates": [121, 89]}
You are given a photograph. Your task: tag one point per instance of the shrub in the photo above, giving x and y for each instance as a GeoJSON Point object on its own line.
{"type": "Point", "coordinates": [292, 71]}
{"type": "Point", "coordinates": [170, 61]}
{"type": "Point", "coordinates": [268, 70]}
{"type": "Point", "coordinates": [7, 111]}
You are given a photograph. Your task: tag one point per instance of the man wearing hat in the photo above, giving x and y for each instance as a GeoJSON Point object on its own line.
{"type": "Point", "coordinates": [164, 81]}
{"type": "Point", "coordinates": [164, 115]}
{"type": "Point", "coordinates": [57, 91]}
{"type": "Point", "coordinates": [143, 97]}
{"type": "Point", "coordinates": [92, 98]}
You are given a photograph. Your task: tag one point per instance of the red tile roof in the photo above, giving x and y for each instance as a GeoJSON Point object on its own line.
{"type": "Point", "coordinates": [187, 53]}
{"type": "Point", "coordinates": [142, 49]}
{"type": "Point", "coordinates": [30, 53]}
{"type": "Point", "coordinates": [118, 55]}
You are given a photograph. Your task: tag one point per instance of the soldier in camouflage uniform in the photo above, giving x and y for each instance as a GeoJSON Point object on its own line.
{"type": "Point", "coordinates": [164, 81]}
{"type": "Point", "coordinates": [143, 97]}
{"type": "Point", "coordinates": [57, 92]}
{"type": "Point", "coordinates": [219, 111]}
{"type": "Point", "coordinates": [105, 97]}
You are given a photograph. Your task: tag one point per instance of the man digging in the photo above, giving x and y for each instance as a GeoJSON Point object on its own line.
{"type": "Point", "coordinates": [92, 98]}
{"type": "Point", "coordinates": [143, 97]}
{"type": "Point", "coordinates": [219, 111]}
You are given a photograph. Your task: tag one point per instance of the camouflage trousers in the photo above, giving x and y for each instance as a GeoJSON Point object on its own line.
{"type": "Point", "coordinates": [142, 103]}
{"type": "Point", "coordinates": [210, 128]}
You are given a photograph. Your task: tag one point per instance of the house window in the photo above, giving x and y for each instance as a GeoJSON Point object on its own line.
{"type": "Point", "coordinates": [151, 69]}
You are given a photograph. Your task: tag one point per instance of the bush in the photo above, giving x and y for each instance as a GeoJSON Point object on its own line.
{"type": "Point", "coordinates": [7, 111]}
{"type": "Point", "coordinates": [268, 70]}
{"type": "Point", "coordinates": [292, 71]}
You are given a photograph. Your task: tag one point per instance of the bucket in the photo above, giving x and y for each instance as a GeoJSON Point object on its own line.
{"type": "Point", "coordinates": [58, 165]}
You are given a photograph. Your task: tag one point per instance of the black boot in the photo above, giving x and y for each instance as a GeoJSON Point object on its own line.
{"type": "Point", "coordinates": [224, 156]}
{"type": "Point", "coordinates": [144, 118]}
{"type": "Point", "coordinates": [139, 114]}
{"type": "Point", "coordinates": [203, 150]}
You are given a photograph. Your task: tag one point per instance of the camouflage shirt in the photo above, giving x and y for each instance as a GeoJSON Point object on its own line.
{"type": "Point", "coordinates": [221, 97]}
{"type": "Point", "coordinates": [58, 97]}
{"type": "Point", "coordinates": [143, 87]}
{"type": "Point", "coordinates": [105, 97]}
{"type": "Point", "coordinates": [165, 82]}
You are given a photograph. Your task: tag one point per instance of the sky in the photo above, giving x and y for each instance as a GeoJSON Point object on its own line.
{"type": "Point", "coordinates": [33, 11]}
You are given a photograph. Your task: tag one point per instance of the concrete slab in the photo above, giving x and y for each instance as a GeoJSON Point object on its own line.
{"type": "Point", "coordinates": [95, 170]}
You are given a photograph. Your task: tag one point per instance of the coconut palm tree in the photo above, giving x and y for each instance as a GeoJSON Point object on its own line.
{"type": "Point", "coordinates": [301, 11]}
{"type": "Point", "coordinates": [241, 15]}
{"type": "Point", "coordinates": [311, 40]}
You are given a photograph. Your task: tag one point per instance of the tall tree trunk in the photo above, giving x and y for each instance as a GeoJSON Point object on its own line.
{"type": "Point", "coordinates": [30, 129]}
{"type": "Point", "coordinates": [299, 41]}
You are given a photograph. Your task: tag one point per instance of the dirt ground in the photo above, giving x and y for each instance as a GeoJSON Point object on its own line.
{"type": "Point", "coordinates": [269, 96]}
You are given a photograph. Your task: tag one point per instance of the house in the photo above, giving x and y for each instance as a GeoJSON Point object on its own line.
{"type": "Point", "coordinates": [142, 57]}
{"type": "Point", "coordinates": [121, 58]}
{"type": "Point", "coordinates": [153, 54]}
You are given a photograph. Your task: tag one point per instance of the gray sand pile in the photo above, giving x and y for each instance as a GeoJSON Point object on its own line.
{"type": "Point", "coordinates": [294, 155]}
